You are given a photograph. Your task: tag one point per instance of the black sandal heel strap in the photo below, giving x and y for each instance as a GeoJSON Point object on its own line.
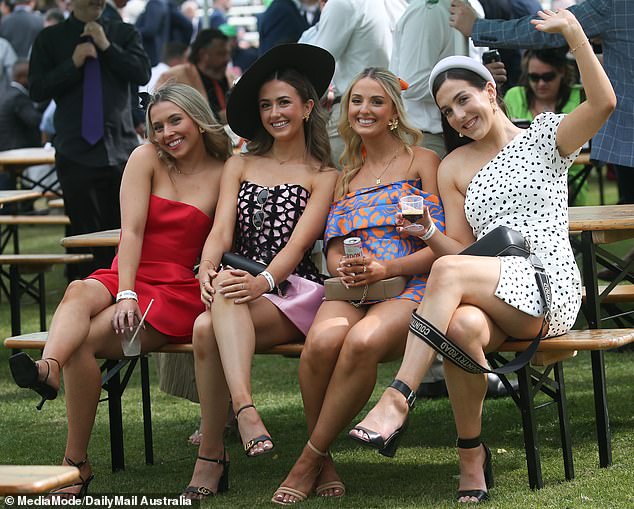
{"type": "Point", "coordinates": [468, 443]}
{"type": "Point", "coordinates": [222, 461]}
{"type": "Point", "coordinates": [48, 368]}
{"type": "Point", "coordinates": [250, 405]}
{"type": "Point", "coordinates": [405, 390]}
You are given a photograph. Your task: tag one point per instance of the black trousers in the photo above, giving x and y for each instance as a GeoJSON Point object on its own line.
{"type": "Point", "coordinates": [625, 178]}
{"type": "Point", "coordinates": [91, 201]}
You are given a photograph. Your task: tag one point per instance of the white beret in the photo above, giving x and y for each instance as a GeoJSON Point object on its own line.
{"type": "Point", "coordinates": [459, 62]}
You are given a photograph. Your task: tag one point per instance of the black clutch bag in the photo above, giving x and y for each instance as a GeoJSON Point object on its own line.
{"type": "Point", "coordinates": [251, 266]}
{"type": "Point", "coordinates": [501, 241]}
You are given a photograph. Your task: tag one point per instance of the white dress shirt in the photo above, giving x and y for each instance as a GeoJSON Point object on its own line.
{"type": "Point", "coordinates": [422, 38]}
{"type": "Point", "coordinates": [359, 34]}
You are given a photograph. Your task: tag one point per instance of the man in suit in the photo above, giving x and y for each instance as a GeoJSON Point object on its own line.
{"type": "Point", "coordinates": [21, 27]}
{"type": "Point", "coordinates": [87, 65]}
{"type": "Point", "coordinates": [284, 21]}
{"type": "Point", "coordinates": [612, 21]}
{"type": "Point", "coordinates": [154, 26]}
{"type": "Point", "coordinates": [19, 118]}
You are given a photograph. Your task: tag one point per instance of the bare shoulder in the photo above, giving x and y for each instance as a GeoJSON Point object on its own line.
{"type": "Point", "coordinates": [236, 164]}
{"type": "Point", "coordinates": [144, 158]}
{"type": "Point", "coordinates": [425, 155]}
{"type": "Point", "coordinates": [325, 178]}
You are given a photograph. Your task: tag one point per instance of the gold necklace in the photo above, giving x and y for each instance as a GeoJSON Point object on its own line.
{"type": "Point", "coordinates": [389, 163]}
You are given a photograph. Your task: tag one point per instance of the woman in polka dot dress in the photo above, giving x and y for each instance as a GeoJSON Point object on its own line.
{"type": "Point", "coordinates": [495, 175]}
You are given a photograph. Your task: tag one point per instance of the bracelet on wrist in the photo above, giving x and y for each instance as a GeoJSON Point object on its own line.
{"type": "Point", "coordinates": [429, 233]}
{"type": "Point", "coordinates": [269, 279]}
{"type": "Point", "coordinates": [127, 294]}
{"type": "Point", "coordinates": [580, 45]}
{"type": "Point", "coordinates": [213, 265]}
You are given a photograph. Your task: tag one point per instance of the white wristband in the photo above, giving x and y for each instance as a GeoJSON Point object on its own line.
{"type": "Point", "coordinates": [430, 231]}
{"type": "Point", "coordinates": [269, 279]}
{"type": "Point", "coordinates": [127, 294]}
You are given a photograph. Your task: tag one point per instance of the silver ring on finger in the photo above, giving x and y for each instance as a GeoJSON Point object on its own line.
{"type": "Point", "coordinates": [364, 269]}
{"type": "Point", "coordinates": [352, 274]}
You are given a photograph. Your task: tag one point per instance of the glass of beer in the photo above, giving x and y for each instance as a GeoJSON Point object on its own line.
{"type": "Point", "coordinates": [413, 209]}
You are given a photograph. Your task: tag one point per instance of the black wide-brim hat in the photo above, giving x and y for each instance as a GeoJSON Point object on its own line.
{"type": "Point", "coordinates": [243, 112]}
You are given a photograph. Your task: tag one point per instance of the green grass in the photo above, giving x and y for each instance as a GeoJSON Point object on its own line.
{"type": "Point", "coordinates": [423, 474]}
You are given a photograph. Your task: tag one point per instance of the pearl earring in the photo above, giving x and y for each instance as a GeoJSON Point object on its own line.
{"type": "Point", "coordinates": [461, 135]}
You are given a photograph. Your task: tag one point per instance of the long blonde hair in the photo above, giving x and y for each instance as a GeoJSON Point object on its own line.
{"type": "Point", "coordinates": [216, 141]}
{"type": "Point", "coordinates": [352, 157]}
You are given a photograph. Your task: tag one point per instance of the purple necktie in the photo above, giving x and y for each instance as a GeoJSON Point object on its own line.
{"type": "Point", "coordinates": [92, 110]}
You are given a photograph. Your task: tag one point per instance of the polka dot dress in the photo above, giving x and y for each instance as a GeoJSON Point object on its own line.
{"type": "Point", "coordinates": [525, 188]}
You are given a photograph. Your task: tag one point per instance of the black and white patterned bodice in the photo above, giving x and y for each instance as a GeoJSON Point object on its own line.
{"type": "Point", "coordinates": [264, 226]}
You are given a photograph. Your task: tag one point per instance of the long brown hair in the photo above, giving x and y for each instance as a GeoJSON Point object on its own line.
{"type": "Point", "coordinates": [315, 133]}
{"type": "Point", "coordinates": [352, 158]}
{"type": "Point", "coordinates": [555, 58]}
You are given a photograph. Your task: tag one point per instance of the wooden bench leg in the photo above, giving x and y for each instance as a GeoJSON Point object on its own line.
{"type": "Point", "coordinates": [604, 437]}
{"type": "Point", "coordinates": [113, 386]}
{"type": "Point", "coordinates": [531, 443]}
{"type": "Point", "coordinates": [15, 292]}
{"type": "Point", "coordinates": [564, 422]}
{"type": "Point", "coordinates": [147, 411]}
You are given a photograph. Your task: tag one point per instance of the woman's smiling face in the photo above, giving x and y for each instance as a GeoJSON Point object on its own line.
{"type": "Point", "coordinates": [174, 130]}
{"type": "Point", "coordinates": [282, 110]}
{"type": "Point", "coordinates": [467, 109]}
{"type": "Point", "coordinates": [370, 108]}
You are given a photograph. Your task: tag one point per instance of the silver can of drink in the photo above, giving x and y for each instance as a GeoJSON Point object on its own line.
{"type": "Point", "coordinates": [352, 247]}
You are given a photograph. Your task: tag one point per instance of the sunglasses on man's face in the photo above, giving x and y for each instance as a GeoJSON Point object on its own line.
{"type": "Point", "coordinates": [546, 77]}
{"type": "Point", "coordinates": [259, 215]}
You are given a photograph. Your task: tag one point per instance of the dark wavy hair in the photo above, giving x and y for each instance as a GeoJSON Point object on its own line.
{"type": "Point", "coordinates": [452, 139]}
{"type": "Point", "coordinates": [557, 59]}
{"type": "Point", "coordinates": [315, 133]}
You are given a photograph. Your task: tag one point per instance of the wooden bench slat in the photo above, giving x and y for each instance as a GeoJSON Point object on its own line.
{"type": "Point", "coordinates": [594, 339]}
{"type": "Point", "coordinates": [43, 259]}
{"type": "Point", "coordinates": [619, 294]}
{"type": "Point", "coordinates": [37, 340]}
{"type": "Point", "coordinates": [34, 220]}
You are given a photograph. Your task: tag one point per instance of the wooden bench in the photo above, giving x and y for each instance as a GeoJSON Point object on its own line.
{"type": "Point", "coordinates": [549, 358]}
{"type": "Point", "coordinates": [9, 227]}
{"type": "Point", "coordinates": [612, 301]}
{"type": "Point", "coordinates": [35, 265]}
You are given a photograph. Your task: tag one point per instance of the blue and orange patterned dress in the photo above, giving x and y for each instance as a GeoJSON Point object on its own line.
{"type": "Point", "coordinates": [370, 213]}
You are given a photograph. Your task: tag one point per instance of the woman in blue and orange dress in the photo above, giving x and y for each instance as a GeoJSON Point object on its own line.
{"type": "Point", "coordinates": [346, 342]}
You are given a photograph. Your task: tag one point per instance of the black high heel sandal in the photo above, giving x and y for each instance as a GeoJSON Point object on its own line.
{"type": "Point", "coordinates": [84, 483]}
{"type": "Point", "coordinates": [487, 467]}
{"type": "Point", "coordinates": [223, 482]}
{"type": "Point", "coordinates": [254, 441]}
{"type": "Point", "coordinates": [25, 374]}
{"type": "Point", "coordinates": [387, 447]}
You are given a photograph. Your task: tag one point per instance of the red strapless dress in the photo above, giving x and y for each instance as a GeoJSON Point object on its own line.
{"type": "Point", "coordinates": [172, 242]}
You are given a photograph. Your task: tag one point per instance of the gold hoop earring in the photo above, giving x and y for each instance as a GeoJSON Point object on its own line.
{"type": "Point", "coordinates": [200, 130]}
{"type": "Point", "coordinates": [393, 124]}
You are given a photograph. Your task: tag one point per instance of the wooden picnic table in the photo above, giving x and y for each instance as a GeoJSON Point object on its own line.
{"type": "Point", "coordinates": [600, 225]}
{"type": "Point", "coordinates": [17, 160]}
{"type": "Point", "coordinates": [105, 238]}
{"type": "Point", "coordinates": [26, 479]}
{"type": "Point", "coordinates": [17, 195]}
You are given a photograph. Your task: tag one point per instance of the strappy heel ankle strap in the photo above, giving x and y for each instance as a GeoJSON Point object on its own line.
{"type": "Point", "coordinates": [317, 451]}
{"type": "Point", "coordinates": [48, 368]}
{"type": "Point", "coordinates": [405, 390]}
{"type": "Point", "coordinates": [468, 443]}
{"type": "Point", "coordinates": [78, 466]}
{"type": "Point", "coordinates": [250, 405]}
{"type": "Point", "coordinates": [222, 461]}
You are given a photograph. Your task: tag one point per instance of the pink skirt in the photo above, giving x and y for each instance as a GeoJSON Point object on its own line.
{"type": "Point", "coordinates": [300, 303]}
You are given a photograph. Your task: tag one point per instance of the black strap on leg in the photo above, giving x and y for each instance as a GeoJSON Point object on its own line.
{"type": "Point", "coordinates": [468, 443]}
{"type": "Point", "coordinates": [452, 352]}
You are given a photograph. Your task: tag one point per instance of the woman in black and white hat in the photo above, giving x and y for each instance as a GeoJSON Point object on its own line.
{"type": "Point", "coordinates": [273, 205]}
